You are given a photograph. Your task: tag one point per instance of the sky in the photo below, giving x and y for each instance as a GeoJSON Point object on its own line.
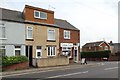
{"type": "Point", "coordinates": [97, 20]}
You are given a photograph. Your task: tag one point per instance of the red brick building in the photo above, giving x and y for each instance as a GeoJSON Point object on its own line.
{"type": "Point", "coordinates": [69, 39]}
{"type": "Point", "coordinates": [95, 46]}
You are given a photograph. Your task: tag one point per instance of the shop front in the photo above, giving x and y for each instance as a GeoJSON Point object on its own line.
{"type": "Point", "coordinates": [70, 50]}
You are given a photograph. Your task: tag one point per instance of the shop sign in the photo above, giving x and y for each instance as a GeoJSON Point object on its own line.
{"type": "Point", "coordinates": [66, 44]}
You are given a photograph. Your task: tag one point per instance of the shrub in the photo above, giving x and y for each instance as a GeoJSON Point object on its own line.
{"type": "Point", "coordinates": [97, 54]}
{"type": "Point", "coordinates": [6, 61]}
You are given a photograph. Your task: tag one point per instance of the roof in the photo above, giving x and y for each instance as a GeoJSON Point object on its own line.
{"type": "Point", "coordinates": [17, 16]}
{"type": "Point", "coordinates": [93, 44]}
{"type": "Point", "coordinates": [37, 8]}
{"type": "Point", "coordinates": [64, 24]}
{"type": "Point", "coordinates": [115, 44]}
{"type": "Point", "coordinates": [11, 15]}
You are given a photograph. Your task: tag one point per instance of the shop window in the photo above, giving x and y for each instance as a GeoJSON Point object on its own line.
{"type": "Point", "coordinates": [67, 51]}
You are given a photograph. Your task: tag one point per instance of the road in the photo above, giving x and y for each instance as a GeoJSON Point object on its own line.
{"type": "Point", "coordinates": [100, 70]}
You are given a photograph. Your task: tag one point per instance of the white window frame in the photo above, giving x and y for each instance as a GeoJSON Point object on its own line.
{"type": "Point", "coordinates": [17, 49]}
{"type": "Point", "coordinates": [51, 48]}
{"type": "Point", "coordinates": [66, 34]}
{"type": "Point", "coordinates": [48, 37]}
{"type": "Point", "coordinates": [40, 12]}
{"type": "Point", "coordinates": [35, 12]}
{"type": "Point", "coordinates": [1, 47]}
{"type": "Point", "coordinates": [38, 50]}
{"type": "Point", "coordinates": [1, 35]}
{"type": "Point", "coordinates": [28, 31]}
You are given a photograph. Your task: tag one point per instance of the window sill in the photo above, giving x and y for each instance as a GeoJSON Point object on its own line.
{"type": "Point", "coordinates": [40, 18]}
{"type": "Point", "coordinates": [51, 56]}
{"type": "Point", "coordinates": [3, 38]}
{"type": "Point", "coordinates": [51, 40]}
{"type": "Point", "coordinates": [30, 39]}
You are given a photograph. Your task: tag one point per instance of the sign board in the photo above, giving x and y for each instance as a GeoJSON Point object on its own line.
{"type": "Point", "coordinates": [66, 44]}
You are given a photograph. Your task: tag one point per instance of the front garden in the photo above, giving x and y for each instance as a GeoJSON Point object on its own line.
{"type": "Point", "coordinates": [14, 62]}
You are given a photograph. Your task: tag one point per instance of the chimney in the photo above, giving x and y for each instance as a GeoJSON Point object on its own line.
{"type": "Point", "coordinates": [111, 42]}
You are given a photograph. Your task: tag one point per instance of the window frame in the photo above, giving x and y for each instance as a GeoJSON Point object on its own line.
{"type": "Point", "coordinates": [49, 39]}
{"type": "Point", "coordinates": [40, 12]}
{"type": "Point", "coordinates": [17, 49]}
{"type": "Point", "coordinates": [28, 31]}
{"type": "Point", "coordinates": [1, 35]}
{"type": "Point", "coordinates": [38, 50]}
{"type": "Point", "coordinates": [43, 13]}
{"type": "Point", "coordinates": [67, 49]}
{"type": "Point", "coordinates": [66, 34]}
{"type": "Point", "coordinates": [51, 48]}
{"type": "Point", "coordinates": [1, 47]}
{"type": "Point", "coordinates": [35, 15]}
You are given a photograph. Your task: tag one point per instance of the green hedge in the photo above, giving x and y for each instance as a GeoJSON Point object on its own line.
{"type": "Point", "coordinates": [97, 54]}
{"type": "Point", "coordinates": [6, 61]}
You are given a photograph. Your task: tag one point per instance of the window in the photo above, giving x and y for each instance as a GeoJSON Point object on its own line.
{"type": "Point", "coordinates": [67, 51]}
{"type": "Point", "coordinates": [29, 33]}
{"type": "Point", "coordinates": [89, 47]}
{"type": "Point", "coordinates": [40, 14]}
{"type": "Point", "coordinates": [38, 52]}
{"type": "Point", "coordinates": [36, 14]}
{"type": "Point", "coordinates": [51, 50]}
{"type": "Point", "coordinates": [17, 50]}
{"type": "Point", "coordinates": [66, 34]}
{"type": "Point", "coordinates": [106, 48]}
{"type": "Point", "coordinates": [43, 15]}
{"type": "Point", "coordinates": [51, 34]}
{"type": "Point", "coordinates": [2, 32]}
{"type": "Point", "coordinates": [2, 51]}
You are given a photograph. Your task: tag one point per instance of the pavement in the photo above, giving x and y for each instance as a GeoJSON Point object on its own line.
{"type": "Point", "coordinates": [34, 70]}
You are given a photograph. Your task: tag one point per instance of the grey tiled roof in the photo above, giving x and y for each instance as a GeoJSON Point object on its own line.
{"type": "Point", "coordinates": [93, 44]}
{"type": "Point", "coordinates": [12, 15]}
{"type": "Point", "coordinates": [64, 24]}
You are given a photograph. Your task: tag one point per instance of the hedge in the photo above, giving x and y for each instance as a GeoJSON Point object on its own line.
{"type": "Point", "coordinates": [96, 54]}
{"type": "Point", "coordinates": [6, 61]}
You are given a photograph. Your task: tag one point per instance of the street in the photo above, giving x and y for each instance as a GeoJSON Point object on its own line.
{"type": "Point", "coordinates": [100, 70]}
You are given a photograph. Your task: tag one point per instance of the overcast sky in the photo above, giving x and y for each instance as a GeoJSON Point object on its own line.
{"type": "Point", "coordinates": [96, 19]}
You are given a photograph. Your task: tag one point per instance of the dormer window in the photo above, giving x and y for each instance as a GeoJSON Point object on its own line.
{"type": "Point", "coordinates": [40, 14]}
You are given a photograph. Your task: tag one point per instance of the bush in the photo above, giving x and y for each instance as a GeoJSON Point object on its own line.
{"type": "Point", "coordinates": [6, 61]}
{"type": "Point", "coordinates": [97, 54]}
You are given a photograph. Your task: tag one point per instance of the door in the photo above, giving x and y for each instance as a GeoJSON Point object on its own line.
{"type": "Point", "coordinates": [76, 54]}
{"type": "Point", "coordinates": [29, 54]}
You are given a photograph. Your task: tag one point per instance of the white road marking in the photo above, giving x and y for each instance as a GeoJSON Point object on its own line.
{"type": "Point", "coordinates": [38, 72]}
{"type": "Point", "coordinates": [68, 74]}
{"type": "Point", "coordinates": [110, 68]}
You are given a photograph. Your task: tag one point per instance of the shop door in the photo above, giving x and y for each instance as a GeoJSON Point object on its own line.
{"type": "Point", "coordinates": [75, 54]}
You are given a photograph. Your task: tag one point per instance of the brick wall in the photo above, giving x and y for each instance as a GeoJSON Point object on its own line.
{"type": "Point", "coordinates": [29, 15]}
{"type": "Point", "coordinates": [18, 66]}
{"type": "Point", "coordinates": [74, 36]}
